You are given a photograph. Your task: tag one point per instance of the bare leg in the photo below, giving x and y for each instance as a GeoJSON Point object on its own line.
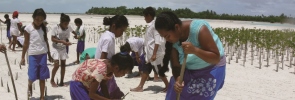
{"type": "Point", "coordinates": [62, 72]}
{"type": "Point", "coordinates": [14, 42]}
{"type": "Point", "coordinates": [30, 88]}
{"type": "Point", "coordinates": [165, 80]}
{"type": "Point", "coordinates": [42, 88]}
{"type": "Point", "coordinates": [156, 77]}
{"type": "Point", "coordinates": [77, 61]}
{"type": "Point", "coordinates": [139, 88]}
{"type": "Point", "coordinates": [54, 70]}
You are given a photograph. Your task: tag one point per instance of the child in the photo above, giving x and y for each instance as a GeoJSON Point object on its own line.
{"type": "Point", "coordinates": [106, 45]}
{"type": "Point", "coordinates": [98, 72]}
{"type": "Point", "coordinates": [135, 45]}
{"type": "Point", "coordinates": [8, 23]}
{"type": "Point", "coordinates": [88, 53]}
{"type": "Point", "coordinates": [205, 65]}
{"type": "Point", "coordinates": [37, 45]}
{"type": "Point", "coordinates": [154, 49]}
{"type": "Point", "coordinates": [60, 35]}
{"type": "Point", "coordinates": [81, 38]}
{"type": "Point", "coordinates": [14, 30]}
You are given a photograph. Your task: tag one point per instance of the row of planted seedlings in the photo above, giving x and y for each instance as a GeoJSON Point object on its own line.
{"type": "Point", "coordinates": [267, 44]}
{"type": "Point", "coordinates": [94, 33]}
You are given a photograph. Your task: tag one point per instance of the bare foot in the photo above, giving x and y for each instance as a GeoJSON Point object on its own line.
{"type": "Point", "coordinates": [137, 89]}
{"type": "Point", "coordinates": [53, 84]}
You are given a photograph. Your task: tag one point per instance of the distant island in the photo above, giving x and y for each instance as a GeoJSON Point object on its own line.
{"type": "Point", "coordinates": [187, 13]}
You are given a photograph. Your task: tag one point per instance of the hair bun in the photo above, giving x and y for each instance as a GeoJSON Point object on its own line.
{"type": "Point", "coordinates": [107, 21]}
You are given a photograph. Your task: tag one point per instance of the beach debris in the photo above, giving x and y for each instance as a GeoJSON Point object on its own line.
{"type": "Point", "coordinates": [8, 90]}
{"type": "Point", "coordinates": [16, 76]}
{"type": "Point", "coordinates": [45, 90]}
{"type": "Point", "coordinates": [56, 80]}
{"type": "Point", "coordinates": [1, 82]}
{"type": "Point", "coordinates": [20, 66]}
{"type": "Point", "coordinates": [15, 62]}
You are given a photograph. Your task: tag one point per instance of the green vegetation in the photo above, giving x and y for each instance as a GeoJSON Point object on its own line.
{"type": "Point", "coordinates": [187, 13]}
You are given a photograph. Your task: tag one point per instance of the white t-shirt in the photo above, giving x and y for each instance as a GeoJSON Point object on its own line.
{"type": "Point", "coordinates": [106, 44]}
{"type": "Point", "coordinates": [14, 27]}
{"type": "Point", "coordinates": [136, 44]}
{"type": "Point", "coordinates": [61, 35]}
{"type": "Point", "coordinates": [14, 23]}
{"type": "Point", "coordinates": [151, 38]}
{"type": "Point", "coordinates": [37, 44]}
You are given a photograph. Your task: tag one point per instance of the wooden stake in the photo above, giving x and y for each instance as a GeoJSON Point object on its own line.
{"type": "Point", "coordinates": [1, 82]}
{"type": "Point", "coordinates": [16, 76]}
{"type": "Point", "coordinates": [182, 73]}
{"type": "Point", "coordinates": [8, 90]}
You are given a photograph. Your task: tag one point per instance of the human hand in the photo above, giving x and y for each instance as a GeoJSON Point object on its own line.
{"type": "Point", "coordinates": [2, 48]}
{"type": "Point", "coordinates": [138, 60]}
{"type": "Point", "coordinates": [188, 48]}
{"type": "Point", "coordinates": [177, 86]}
{"type": "Point", "coordinates": [153, 58]}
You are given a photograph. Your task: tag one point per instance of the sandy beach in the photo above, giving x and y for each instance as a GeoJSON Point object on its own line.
{"type": "Point", "coordinates": [241, 83]}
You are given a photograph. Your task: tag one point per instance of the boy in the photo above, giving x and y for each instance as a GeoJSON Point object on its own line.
{"type": "Point", "coordinates": [7, 22]}
{"type": "Point", "coordinates": [154, 47]}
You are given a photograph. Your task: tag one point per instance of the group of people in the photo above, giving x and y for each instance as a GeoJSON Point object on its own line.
{"type": "Point", "coordinates": [167, 39]}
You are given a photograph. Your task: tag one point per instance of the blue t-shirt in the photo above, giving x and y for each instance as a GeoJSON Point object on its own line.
{"type": "Point", "coordinates": [193, 62]}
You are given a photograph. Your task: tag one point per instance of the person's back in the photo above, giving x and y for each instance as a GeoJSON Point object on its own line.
{"type": "Point", "coordinates": [136, 44]}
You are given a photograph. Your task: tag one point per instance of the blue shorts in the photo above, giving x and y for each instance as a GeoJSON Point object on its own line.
{"type": "Point", "coordinates": [38, 67]}
{"type": "Point", "coordinates": [8, 34]}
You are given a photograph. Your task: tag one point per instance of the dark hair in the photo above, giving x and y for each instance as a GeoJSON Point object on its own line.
{"type": "Point", "coordinates": [6, 16]}
{"type": "Point", "coordinates": [118, 20]}
{"type": "Point", "coordinates": [149, 11]}
{"type": "Point", "coordinates": [41, 12]}
{"type": "Point", "coordinates": [167, 20]}
{"type": "Point", "coordinates": [123, 61]}
{"type": "Point", "coordinates": [64, 18]}
{"type": "Point", "coordinates": [78, 21]}
{"type": "Point", "coordinates": [125, 48]}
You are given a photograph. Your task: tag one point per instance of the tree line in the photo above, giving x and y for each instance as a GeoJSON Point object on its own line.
{"type": "Point", "coordinates": [188, 13]}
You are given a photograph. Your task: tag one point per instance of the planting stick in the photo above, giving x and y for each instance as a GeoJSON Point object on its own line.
{"type": "Point", "coordinates": [181, 73]}
{"type": "Point", "coordinates": [11, 75]}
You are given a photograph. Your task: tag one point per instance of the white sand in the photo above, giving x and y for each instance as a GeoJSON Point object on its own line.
{"type": "Point", "coordinates": [242, 83]}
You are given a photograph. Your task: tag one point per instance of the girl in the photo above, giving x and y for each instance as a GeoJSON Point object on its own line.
{"type": "Point", "coordinates": [14, 29]}
{"type": "Point", "coordinates": [205, 66]}
{"type": "Point", "coordinates": [60, 35]}
{"type": "Point", "coordinates": [81, 38]}
{"type": "Point", "coordinates": [37, 45]}
{"type": "Point", "coordinates": [106, 46]}
{"type": "Point", "coordinates": [135, 45]}
{"type": "Point", "coordinates": [98, 72]}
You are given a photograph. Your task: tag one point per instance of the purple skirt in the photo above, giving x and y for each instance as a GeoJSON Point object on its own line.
{"type": "Point", "coordinates": [80, 46]}
{"type": "Point", "coordinates": [114, 90]}
{"type": "Point", "coordinates": [79, 92]}
{"type": "Point", "coordinates": [200, 84]}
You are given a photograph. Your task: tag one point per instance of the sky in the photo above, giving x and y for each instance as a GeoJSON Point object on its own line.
{"type": "Point", "coordinates": [246, 7]}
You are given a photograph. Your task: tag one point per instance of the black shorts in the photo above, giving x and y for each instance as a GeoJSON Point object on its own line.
{"type": "Point", "coordinates": [147, 68]}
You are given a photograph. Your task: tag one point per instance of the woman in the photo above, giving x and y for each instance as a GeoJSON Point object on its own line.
{"type": "Point", "coordinates": [205, 66]}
